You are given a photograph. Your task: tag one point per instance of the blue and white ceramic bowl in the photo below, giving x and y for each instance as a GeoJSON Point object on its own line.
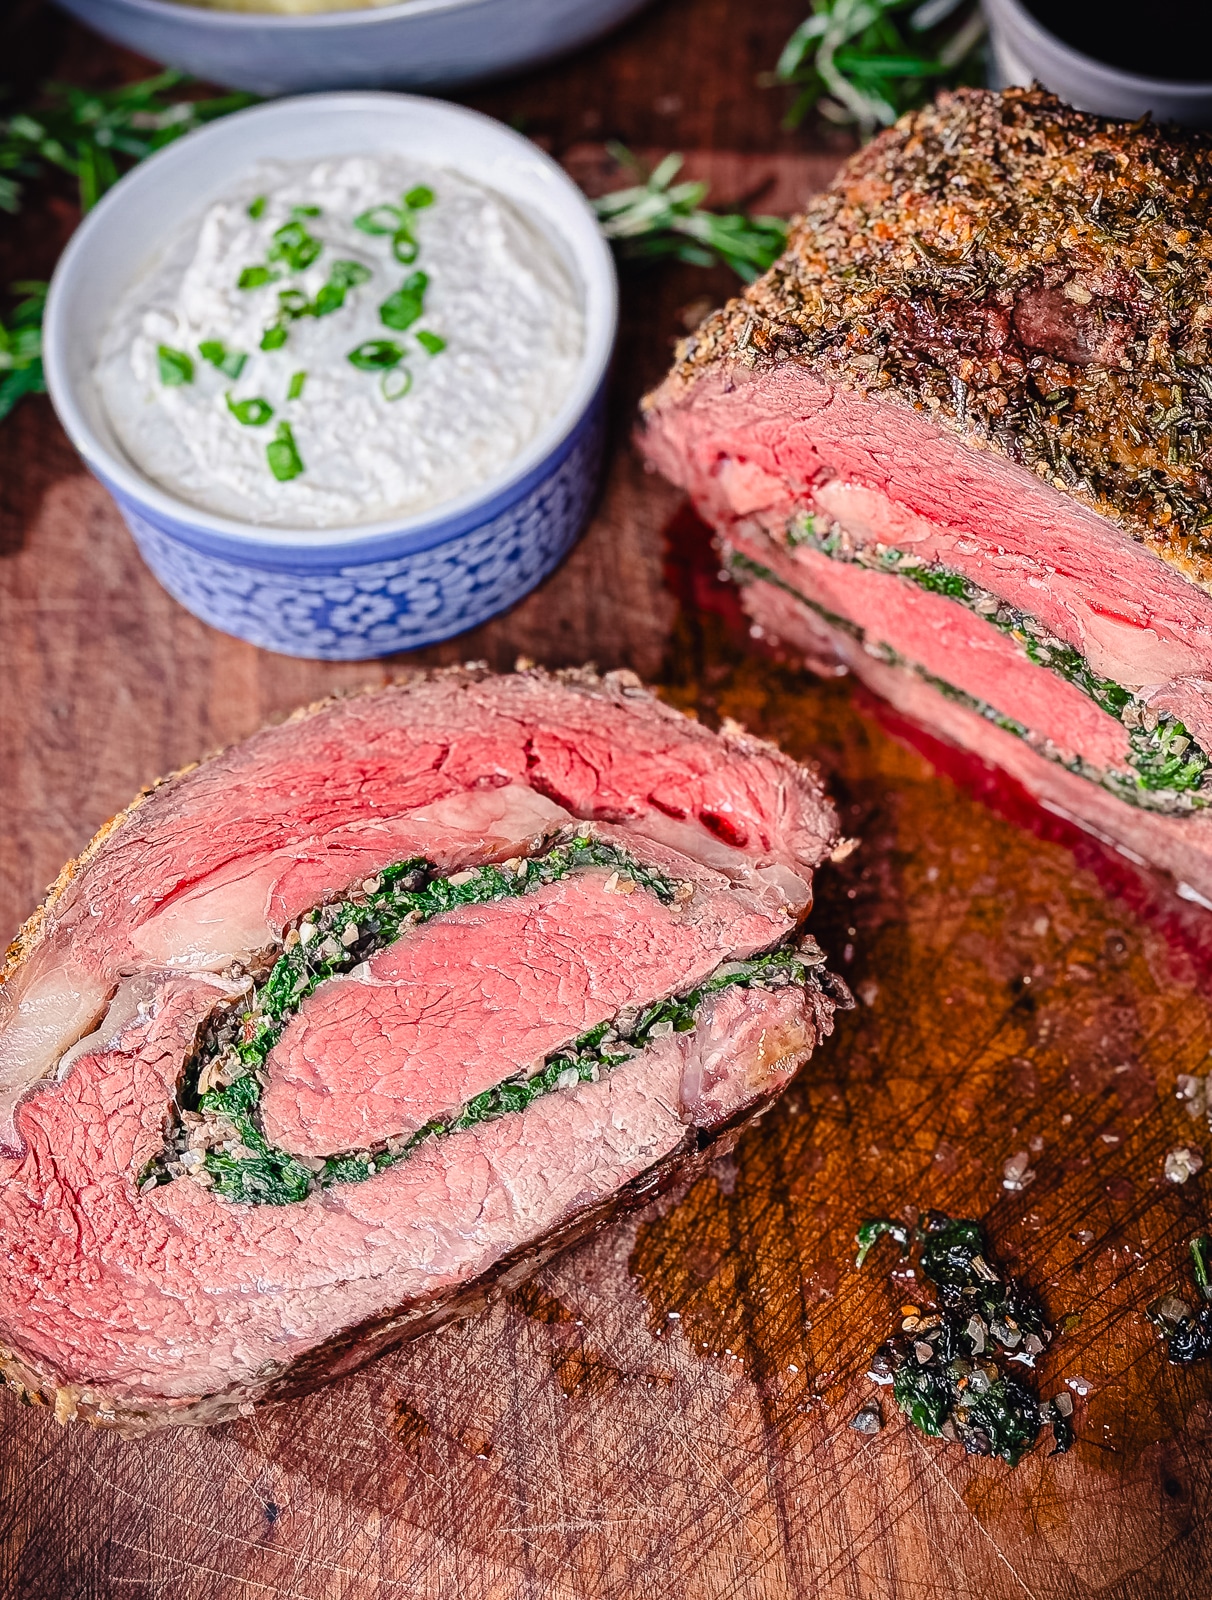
{"type": "Point", "coordinates": [348, 593]}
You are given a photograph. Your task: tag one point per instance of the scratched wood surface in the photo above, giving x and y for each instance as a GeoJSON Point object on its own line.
{"type": "Point", "coordinates": [666, 1410]}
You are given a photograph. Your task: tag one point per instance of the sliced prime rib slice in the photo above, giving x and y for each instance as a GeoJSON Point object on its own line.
{"type": "Point", "coordinates": [382, 1007]}
{"type": "Point", "coordinates": [959, 439]}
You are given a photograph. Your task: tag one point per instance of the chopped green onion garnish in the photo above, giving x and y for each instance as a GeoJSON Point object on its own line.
{"type": "Point", "coordinates": [293, 302]}
{"type": "Point", "coordinates": [420, 197]}
{"type": "Point", "coordinates": [395, 383]}
{"type": "Point", "coordinates": [297, 381]}
{"type": "Point", "coordinates": [257, 209]}
{"type": "Point", "coordinates": [433, 342]}
{"type": "Point", "coordinates": [298, 212]}
{"type": "Point", "coordinates": [345, 275]}
{"type": "Point", "coordinates": [275, 336]}
{"type": "Point", "coordinates": [253, 413]}
{"type": "Point", "coordinates": [402, 309]}
{"type": "Point", "coordinates": [376, 354]}
{"type": "Point", "coordinates": [255, 277]}
{"type": "Point", "coordinates": [176, 367]}
{"type": "Point", "coordinates": [294, 245]}
{"type": "Point", "coordinates": [284, 459]}
{"type": "Point", "coordinates": [403, 246]}
{"type": "Point", "coordinates": [229, 362]}
{"type": "Point", "coordinates": [379, 219]}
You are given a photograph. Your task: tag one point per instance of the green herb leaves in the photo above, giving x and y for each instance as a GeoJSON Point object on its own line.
{"type": "Point", "coordinates": [295, 391]}
{"type": "Point", "coordinates": [432, 342]}
{"type": "Point", "coordinates": [866, 61]}
{"type": "Point", "coordinates": [96, 135]}
{"type": "Point", "coordinates": [176, 368]}
{"type": "Point", "coordinates": [402, 309]}
{"type": "Point", "coordinates": [257, 209]}
{"type": "Point", "coordinates": [254, 413]}
{"type": "Point", "coordinates": [660, 218]}
{"type": "Point", "coordinates": [21, 348]}
{"type": "Point", "coordinates": [1188, 1332]}
{"type": "Point", "coordinates": [282, 454]}
{"type": "Point", "coordinates": [229, 362]}
{"type": "Point", "coordinates": [948, 1366]}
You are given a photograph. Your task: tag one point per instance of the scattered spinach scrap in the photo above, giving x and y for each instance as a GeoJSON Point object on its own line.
{"type": "Point", "coordinates": [658, 218]}
{"type": "Point", "coordinates": [948, 1366]}
{"type": "Point", "coordinates": [224, 1082]}
{"type": "Point", "coordinates": [21, 348]}
{"type": "Point", "coordinates": [1188, 1332]}
{"type": "Point", "coordinates": [863, 62]}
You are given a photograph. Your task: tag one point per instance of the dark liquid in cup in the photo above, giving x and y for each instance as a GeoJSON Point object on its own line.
{"type": "Point", "coordinates": [1163, 39]}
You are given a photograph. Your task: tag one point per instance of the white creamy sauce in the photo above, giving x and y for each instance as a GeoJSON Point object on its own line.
{"type": "Point", "coordinates": [498, 294]}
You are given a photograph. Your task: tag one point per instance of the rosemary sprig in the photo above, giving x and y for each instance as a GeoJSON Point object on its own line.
{"type": "Point", "coordinates": [657, 217]}
{"type": "Point", "coordinates": [94, 135]}
{"type": "Point", "coordinates": [864, 62]}
{"type": "Point", "coordinates": [21, 348]}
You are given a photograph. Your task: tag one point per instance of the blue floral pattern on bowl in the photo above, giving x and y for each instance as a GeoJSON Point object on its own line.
{"type": "Point", "coordinates": [351, 610]}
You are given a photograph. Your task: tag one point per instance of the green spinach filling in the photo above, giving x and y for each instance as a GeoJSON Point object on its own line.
{"type": "Point", "coordinates": [948, 1366]}
{"type": "Point", "coordinates": [1169, 767]}
{"type": "Point", "coordinates": [218, 1139]}
{"type": "Point", "coordinates": [1188, 1330]}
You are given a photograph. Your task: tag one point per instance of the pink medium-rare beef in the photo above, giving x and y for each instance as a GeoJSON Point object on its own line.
{"type": "Point", "coordinates": [134, 1289]}
{"type": "Point", "coordinates": [931, 631]}
{"type": "Point", "coordinates": [1181, 846]}
{"type": "Point", "coordinates": [486, 992]}
{"type": "Point", "coordinates": [980, 379]}
{"type": "Point", "coordinates": [459, 767]}
{"type": "Point", "coordinates": [167, 1307]}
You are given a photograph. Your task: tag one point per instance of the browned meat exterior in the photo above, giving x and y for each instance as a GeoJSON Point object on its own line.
{"type": "Point", "coordinates": [964, 429]}
{"type": "Point", "coordinates": [327, 1037]}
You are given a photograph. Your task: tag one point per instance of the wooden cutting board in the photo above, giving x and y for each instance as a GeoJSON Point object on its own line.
{"type": "Point", "coordinates": [666, 1411]}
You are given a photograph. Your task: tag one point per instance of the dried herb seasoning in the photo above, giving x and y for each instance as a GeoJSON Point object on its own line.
{"type": "Point", "coordinates": [1035, 279]}
{"type": "Point", "coordinates": [949, 1365]}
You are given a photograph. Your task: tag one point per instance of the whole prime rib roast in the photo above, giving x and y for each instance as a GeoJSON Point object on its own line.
{"type": "Point", "coordinates": [959, 440]}
{"type": "Point", "coordinates": [323, 1038]}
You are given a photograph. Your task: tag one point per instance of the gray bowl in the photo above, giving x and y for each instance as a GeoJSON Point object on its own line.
{"type": "Point", "coordinates": [1023, 50]}
{"type": "Point", "coordinates": [420, 44]}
